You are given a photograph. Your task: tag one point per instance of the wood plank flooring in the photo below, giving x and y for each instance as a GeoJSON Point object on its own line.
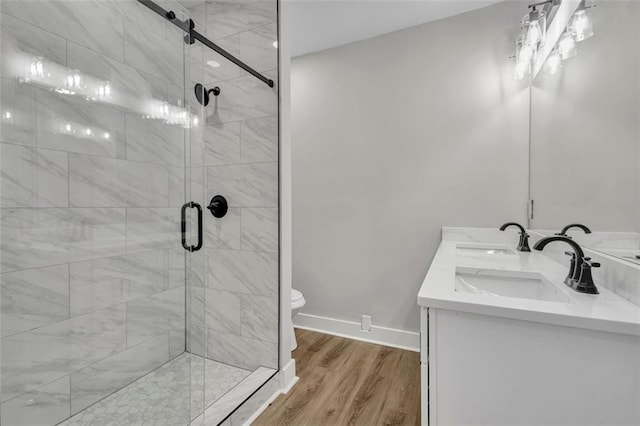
{"type": "Point", "coordinates": [347, 382]}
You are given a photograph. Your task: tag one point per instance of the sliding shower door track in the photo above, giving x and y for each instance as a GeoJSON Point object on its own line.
{"type": "Point", "coordinates": [189, 28]}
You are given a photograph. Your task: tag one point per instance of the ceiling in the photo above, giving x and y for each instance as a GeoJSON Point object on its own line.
{"type": "Point", "coordinates": [319, 25]}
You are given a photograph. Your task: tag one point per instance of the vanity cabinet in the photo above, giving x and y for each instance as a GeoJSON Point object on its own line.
{"type": "Point", "coordinates": [487, 370]}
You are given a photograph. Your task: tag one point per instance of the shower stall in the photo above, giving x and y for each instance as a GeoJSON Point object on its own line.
{"type": "Point", "coordinates": [139, 225]}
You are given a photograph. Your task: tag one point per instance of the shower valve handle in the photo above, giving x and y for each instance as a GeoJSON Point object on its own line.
{"type": "Point", "coordinates": [218, 206]}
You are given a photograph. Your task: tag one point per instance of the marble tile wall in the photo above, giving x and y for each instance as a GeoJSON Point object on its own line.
{"type": "Point", "coordinates": [235, 279]}
{"type": "Point", "coordinates": [92, 287]}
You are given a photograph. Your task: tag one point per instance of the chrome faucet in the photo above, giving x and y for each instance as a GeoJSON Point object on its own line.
{"type": "Point", "coordinates": [574, 225]}
{"type": "Point", "coordinates": [523, 244]}
{"type": "Point", "coordinates": [579, 278]}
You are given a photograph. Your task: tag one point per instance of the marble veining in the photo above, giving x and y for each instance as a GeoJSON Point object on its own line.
{"type": "Point", "coordinates": [105, 182]}
{"type": "Point", "coordinates": [19, 101]}
{"type": "Point", "coordinates": [55, 112]}
{"type": "Point", "coordinates": [46, 405]}
{"type": "Point", "coordinates": [259, 317]}
{"type": "Point", "coordinates": [227, 17]}
{"type": "Point", "coordinates": [222, 311]}
{"type": "Point", "coordinates": [257, 49]}
{"type": "Point", "coordinates": [133, 83]}
{"type": "Point", "coordinates": [108, 281]}
{"type": "Point", "coordinates": [241, 99]}
{"type": "Point", "coordinates": [222, 69]}
{"type": "Point", "coordinates": [154, 54]}
{"type": "Point", "coordinates": [33, 177]}
{"type": "Point", "coordinates": [93, 277]}
{"type": "Point", "coordinates": [152, 228]}
{"type": "Point", "coordinates": [243, 271]}
{"type": "Point", "coordinates": [223, 232]}
{"type": "Point", "coordinates": [19, 37]}
{"type": "Point", "coordinates": [84, 22]}
{"type": "Point", "coordinates": [260, 229]}
{"type": "Point", "coordinates": [149, 316]}
{"type": "Point", "coordinates": [243, 352]}
{"type": "Point", "coordinates": [33, 298]}
{"type": "Point", "coordinates": [246, 185]}
{"type": "Point", "coordinates": [33, 238]}
{"type": "Point", "coordinates": [34, 358]}
{"type": "Point", "coordinates": [260, 140]}
{"type": "Point", "coordinates": [152, 141]}
{"type": "Point", "coordinates": [222, 144]}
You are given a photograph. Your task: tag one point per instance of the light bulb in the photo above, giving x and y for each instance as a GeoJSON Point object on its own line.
{"type": "Point", "coordinates": [106, 135]}
{"type": "Point", "coordinates": [567, 46]}
{"type": "Point", "coordinates": [535, 26]}
{"type": "Point", "coordinates": [7, 115]}
{"type": "Point", "coordinates": [553, 64]}
{"type": "Point", "coordinates": [581, 26]}
{"type": "Point", "coordinates": [275, 44]}
{"type": "Point", "coordinates": [67, 127]}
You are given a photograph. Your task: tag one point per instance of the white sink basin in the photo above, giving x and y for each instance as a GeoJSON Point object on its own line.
{"type": "Point", "coordinates": [498, 283]}
{"type": "Point", "coordinates": [482, 250]}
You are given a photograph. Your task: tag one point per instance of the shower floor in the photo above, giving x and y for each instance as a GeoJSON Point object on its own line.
{"type": "Point", "coordinates": [173, 394]}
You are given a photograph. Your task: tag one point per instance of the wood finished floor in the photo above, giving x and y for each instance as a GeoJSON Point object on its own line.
{"type": "Point", "coordinates": [347, 382]}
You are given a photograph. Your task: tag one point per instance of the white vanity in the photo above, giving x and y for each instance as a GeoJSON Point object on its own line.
{"type": "Point", "coordinates": [505, 342]}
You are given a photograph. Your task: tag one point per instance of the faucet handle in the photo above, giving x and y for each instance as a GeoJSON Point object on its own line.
{"type": "Point", "coordinates": [572, 269]}
{"type": "Point", "coordinates": [591, 264]}
{"type": "Point", "coordinates": [523, 244]}
{"type": "Point", "coordinates": [585, 282]}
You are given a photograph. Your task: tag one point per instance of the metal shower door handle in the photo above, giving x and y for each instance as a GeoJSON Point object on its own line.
{"type": "Point", "coordinates": [183, 226]}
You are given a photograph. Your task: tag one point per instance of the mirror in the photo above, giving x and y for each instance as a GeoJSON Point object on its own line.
{"type": "Point", "coordinates": [585, 137]}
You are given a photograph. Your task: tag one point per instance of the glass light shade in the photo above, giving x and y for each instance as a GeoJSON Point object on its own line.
{"type": "Point", "coordinates": [554, 63]}
{"type": "Point", "coordinates": [567, 46]}
{"type": "Point", "coordinates": [524, 51]}
{"type": "Point", "coordinates": [535, 27]}
{"type": "Point", "coordinates": [581, 25]}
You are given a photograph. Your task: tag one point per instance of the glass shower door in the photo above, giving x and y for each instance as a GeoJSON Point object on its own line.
{"type": "Point", "coordinates": [233, 280]}
{"type": "Point", "coordinates": [92, 148]}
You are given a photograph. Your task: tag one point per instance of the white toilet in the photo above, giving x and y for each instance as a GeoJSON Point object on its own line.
{"type": "Point", "coordinates": [297, 303]}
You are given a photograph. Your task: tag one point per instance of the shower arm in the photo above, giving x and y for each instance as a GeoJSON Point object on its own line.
{"type": "Point", "coordinates": [189, 28]}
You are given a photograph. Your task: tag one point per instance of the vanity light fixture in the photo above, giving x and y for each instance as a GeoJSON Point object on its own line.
{"type": "Point", "coordinates": [544, 45]}
{"type": "Point", "coordinates": [535, 26]}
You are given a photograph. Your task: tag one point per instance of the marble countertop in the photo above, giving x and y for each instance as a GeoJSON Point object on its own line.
{"type": "Point", "coordinates": [603, 312]}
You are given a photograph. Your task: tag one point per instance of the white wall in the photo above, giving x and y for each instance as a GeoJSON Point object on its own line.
{"type": "Point", "coordinates": [393, 138]}
{"type": "Point", "coordinates": [584, 129]}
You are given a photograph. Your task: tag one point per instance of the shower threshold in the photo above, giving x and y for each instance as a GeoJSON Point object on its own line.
{"type": "Point", "coordinates": [175, 394]}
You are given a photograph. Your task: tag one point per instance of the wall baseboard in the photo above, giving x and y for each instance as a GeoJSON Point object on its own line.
{"type": "Point", "coordinates": [394, 338]}
{"type": "Point", "coordinates": [288, 376]}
